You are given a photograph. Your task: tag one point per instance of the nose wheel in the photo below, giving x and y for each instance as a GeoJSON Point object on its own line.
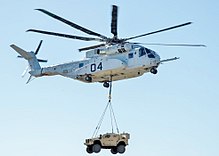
{"type": "Point", "coordinates": [153, 70]}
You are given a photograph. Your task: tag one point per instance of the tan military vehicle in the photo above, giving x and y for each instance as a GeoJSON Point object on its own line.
{"type": "Point", "coordinates": [113, 141]}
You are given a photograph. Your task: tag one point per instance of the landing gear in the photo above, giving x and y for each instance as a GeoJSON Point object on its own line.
{"type": "Point", "coordinates": [88, 78]}
{"type": "Point", "coordinates": [153, 70]}
{"type": "Point", "coordinates": [106, 84]}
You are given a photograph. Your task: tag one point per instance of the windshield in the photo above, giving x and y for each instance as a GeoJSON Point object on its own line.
{"type": "Point", "coordinates": [142, 52]}
{"type": "Point", "coordinates": [149, 52]}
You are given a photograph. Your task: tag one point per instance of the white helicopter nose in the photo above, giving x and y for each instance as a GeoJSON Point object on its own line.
{"type": "Point", "coordinates": [157, 58]}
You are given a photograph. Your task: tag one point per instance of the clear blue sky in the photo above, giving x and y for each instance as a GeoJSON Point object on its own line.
{"type": "Point", "coordinates": [175, 112]}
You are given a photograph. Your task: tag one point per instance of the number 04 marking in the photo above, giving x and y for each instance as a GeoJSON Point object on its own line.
{"type": "Point", "coordinates": [94, 67]}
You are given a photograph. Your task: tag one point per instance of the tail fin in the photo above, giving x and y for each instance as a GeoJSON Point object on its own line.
{"type": "Point", "coordinates": [34, 66]}
{"type": "Point", "coordinates": [29, 56]}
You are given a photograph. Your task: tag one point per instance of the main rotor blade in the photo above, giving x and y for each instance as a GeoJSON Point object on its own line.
{"type": "Point", "coordinates": [114, 21]}
{"type": "Point", "coordinates": [38, 48]}
{"type": "Point", "coordinates": [172, 44]}
{"type": "Point", "coordinates": [72, 24]}
{"type": "Point", "coordinates": [154, 32]}
{"type": "Point", "coordinates": [91, 47]}
{"type": "Point", "coordinates": [66, 35]}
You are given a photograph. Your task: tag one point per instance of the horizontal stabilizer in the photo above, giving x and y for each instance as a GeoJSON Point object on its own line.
{"type": "Point", "coordinates": [22, 52]}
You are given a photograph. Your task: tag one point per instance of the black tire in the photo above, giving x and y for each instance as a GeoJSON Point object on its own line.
{"type": "Point", "coordinates": [153, 70]}
{"type": "Point", "coordinates": [106, 84]}
{"type": "Point", "coordinates": [96, 148]}
{"type": "Point", "coordinates": [121, 149]}
{"type": "Point", "coordinates": [89, 149]}
{"type": "Point", "coordinates": [114, 150]}
{"type": "Point", "coordinates": [88, 79]}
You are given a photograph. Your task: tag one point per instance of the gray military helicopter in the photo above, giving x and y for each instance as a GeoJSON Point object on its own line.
{"type": "Point", "coordinates": [114, 59]}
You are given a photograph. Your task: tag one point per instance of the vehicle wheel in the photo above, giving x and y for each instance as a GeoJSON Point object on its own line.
{"type": "Point", "coordinates": [96, 148]}
{"type": "Point", "coordinates": [88, 79]}
{"type": "Point", "coordinates": [106, 84]}
{"type": "Point", "coordinates": [153, 70]}
{"type": "Point", "coordinates": [121, 149]}
{"type": "Point", "coordinates": [113, 150]}
{"type": "Point", "coordinates": [89, 149]}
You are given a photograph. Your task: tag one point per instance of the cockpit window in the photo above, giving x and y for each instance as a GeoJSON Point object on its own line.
{"type": "Point", "coordinates": [142, 52]}
{"type": "Point", "coordinates": [150, 55]}
{"type": "Point", "coordinates": [131, 55]}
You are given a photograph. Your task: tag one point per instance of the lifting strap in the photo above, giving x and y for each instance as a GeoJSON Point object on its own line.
{"type": "Point", "coordinates": [112, 114]}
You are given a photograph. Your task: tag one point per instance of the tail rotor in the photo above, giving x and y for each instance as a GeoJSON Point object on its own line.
{"type": "Point", "coordinates": [36, 52]}
{"type": "Point", "coordinates": [33, 67]}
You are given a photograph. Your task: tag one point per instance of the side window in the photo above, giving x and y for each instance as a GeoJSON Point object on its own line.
{"type": "Point", "coordinates": [141, 52]}
{"type": "Point", "coordinates": [81, 65]}
{"type": "Point", "coordinates": [131, 55]}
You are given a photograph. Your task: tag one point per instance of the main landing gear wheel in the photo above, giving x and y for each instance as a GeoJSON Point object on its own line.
{"type": "Point", "coordinates": [88, 78]}
{"type": "Point", "coordinates": [106, 84]}
{"type": "Point", "coordinates": [153, 70]}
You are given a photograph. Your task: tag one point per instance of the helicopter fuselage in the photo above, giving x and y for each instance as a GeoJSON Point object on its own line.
{"type": "Point", "coordinates": [101, 64]}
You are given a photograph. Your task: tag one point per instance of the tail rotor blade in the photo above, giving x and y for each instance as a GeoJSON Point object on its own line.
{"type": "Point", "coordinates": [19, 56]}
{"type": "Point", "coordinates": [25, 71]}
{"type": "Point", "coordinates": [29, 79]}
{"type": "Point", "coordinates": [38, 48]}
{"type": "Point", "coordinates": [41, 60]}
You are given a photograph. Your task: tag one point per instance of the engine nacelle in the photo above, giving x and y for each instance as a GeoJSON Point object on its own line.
{"type": "Point", "coordinates": [110, 50]}
{"type": "Point", "coordinates": [115, 49]}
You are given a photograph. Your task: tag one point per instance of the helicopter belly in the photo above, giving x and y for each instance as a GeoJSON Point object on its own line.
{"type": "Point", "coordinates": [119, 74]}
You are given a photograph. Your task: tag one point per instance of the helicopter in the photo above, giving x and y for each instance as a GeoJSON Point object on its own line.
{"type": "Point", "coordinates": [112, 60]}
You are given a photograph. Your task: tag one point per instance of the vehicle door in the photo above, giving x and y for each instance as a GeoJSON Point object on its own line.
{"type": "Point", "coordinates": [108, 140]}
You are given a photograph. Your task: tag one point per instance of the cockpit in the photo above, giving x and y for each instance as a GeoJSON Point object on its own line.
{"type": "Point", "coordinates": [143, 51]}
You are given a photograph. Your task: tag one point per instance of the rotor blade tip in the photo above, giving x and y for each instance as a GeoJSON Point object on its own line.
{"type": "Point", "coordinates": [30, 30]}
{"type": "Point", "coordinates": [38, 9]}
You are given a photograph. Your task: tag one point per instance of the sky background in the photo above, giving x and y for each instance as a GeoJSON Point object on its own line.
{"type": "Point", "coordinates": [175, 112]}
